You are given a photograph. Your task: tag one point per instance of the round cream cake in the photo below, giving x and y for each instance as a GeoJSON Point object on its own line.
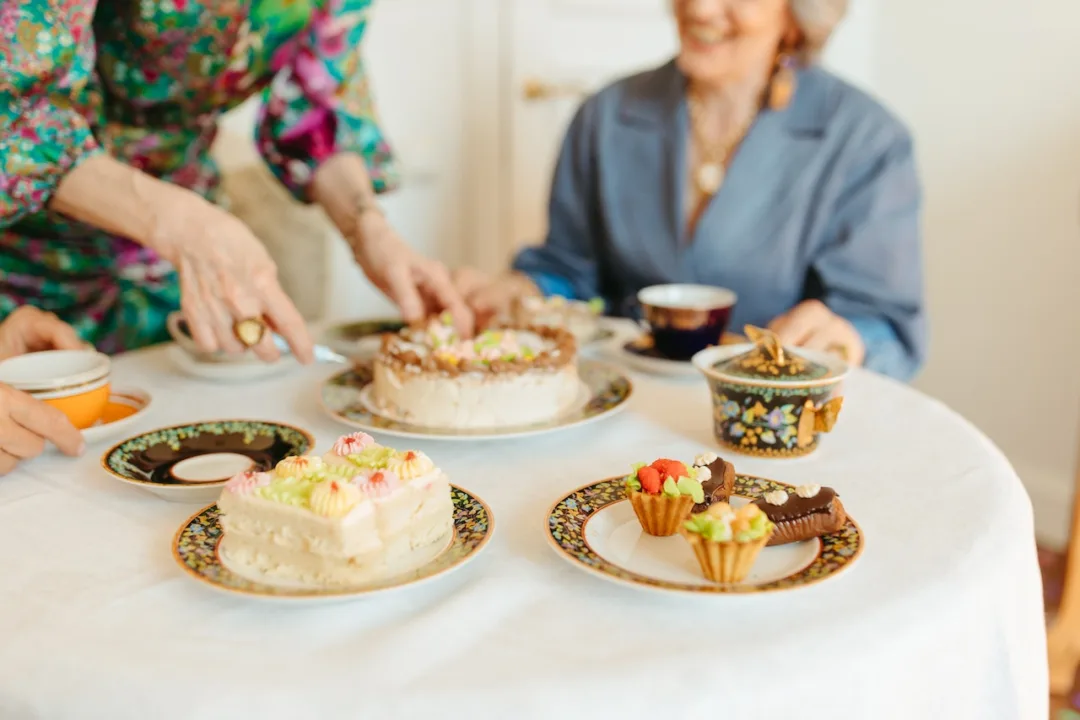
{"type": "Point", "coordinates": [582, 319]}
{"type": "Point", "coordinates": [501, 378]}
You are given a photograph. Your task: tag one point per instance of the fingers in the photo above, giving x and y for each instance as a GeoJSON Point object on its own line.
{"type": "Point", "coordinates": [287, 321]}
{"type": "Point", "coordinates": [402, 290]}
{"type": "Point", "coordinates": [796, 325]}
{"type": "Point", "coordinates": [18, 441]}
{"type": "Point", "coordinates": [436, 280]}
{"type": "Point", "coordinates": [45, 331]}
{"type": "Point", "coordinates": [193, 306]}
{"type": "Point", "coordinates": [45, 421]}
{"type": "Point", "coordinates": [240, 305]}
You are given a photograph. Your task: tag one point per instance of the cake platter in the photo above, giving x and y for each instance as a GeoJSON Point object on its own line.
{"type": "Point", "coordinates": [607, 391]}
{"type": "Point", "coordinates": [196, 549]}
{"type": "Point", "coordinates": [595, 529]}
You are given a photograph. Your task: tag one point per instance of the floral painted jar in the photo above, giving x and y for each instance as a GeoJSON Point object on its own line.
{"type": "Point", "coordinates": [769, 401]}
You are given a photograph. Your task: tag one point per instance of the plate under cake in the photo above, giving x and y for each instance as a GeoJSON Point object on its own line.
{"type": "Point", "coordinates": [358, 514]}
{"type": "Point", "coordinates": [503, 377]}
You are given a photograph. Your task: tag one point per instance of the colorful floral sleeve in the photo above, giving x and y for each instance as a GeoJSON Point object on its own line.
{"type": "Point", "coordinates": [320, 104]}
{"type": "Point", "coordinates": [46, 99]}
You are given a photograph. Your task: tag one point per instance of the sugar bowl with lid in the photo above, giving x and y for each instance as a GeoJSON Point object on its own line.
{"type": "Point", "coordinates": [768, 400]}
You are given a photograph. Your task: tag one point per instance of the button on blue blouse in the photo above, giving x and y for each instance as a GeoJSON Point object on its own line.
{"type": "Point", "coordinates": [822, 200]}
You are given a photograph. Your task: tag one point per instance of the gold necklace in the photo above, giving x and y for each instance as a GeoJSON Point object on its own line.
{"type": "Point", "coordinates": [710, 172]}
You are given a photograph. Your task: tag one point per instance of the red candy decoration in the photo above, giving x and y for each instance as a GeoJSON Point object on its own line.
{"type": "Point", "coordinates": [670, 469]}
{"type": "Point", "coordinates": [649, 477]}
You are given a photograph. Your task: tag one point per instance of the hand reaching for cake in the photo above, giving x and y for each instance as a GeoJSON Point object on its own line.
{"type": "Point", "coordinates": [490, 298]}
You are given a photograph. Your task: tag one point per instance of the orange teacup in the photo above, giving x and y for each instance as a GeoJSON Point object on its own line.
{"type": "Point", "coordinates": [76, 382]}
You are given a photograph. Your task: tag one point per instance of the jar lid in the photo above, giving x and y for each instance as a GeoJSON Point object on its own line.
{"type": "Point", "coordinates": [769, 360]}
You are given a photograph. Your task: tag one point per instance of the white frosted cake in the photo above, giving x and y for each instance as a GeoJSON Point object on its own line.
{"type": "Point", "coordinates": [580, 318]}
{"type": "Point", "coordinates": [360, 513]}
{"type": "Point", "coordinates": [501, 378]}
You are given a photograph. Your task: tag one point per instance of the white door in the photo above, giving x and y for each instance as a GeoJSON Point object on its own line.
{"type": "Point", "coordinates": [561, 51]}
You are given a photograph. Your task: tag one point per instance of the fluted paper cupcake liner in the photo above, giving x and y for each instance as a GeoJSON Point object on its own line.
{"type": "Point", "coordinates": [810, 526]}
{"type": "Point", "coordinates": [725, 562]}
{"type": "Point", "coordinates": [660, 515]}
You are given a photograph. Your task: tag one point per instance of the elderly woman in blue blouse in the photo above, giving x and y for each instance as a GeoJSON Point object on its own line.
{"type": "Point", "coordinates": [740, 164]}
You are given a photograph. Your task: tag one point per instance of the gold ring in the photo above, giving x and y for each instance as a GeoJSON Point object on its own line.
{"type": "Point", "coordinates": [840, 349]}
{"type": "Point", "coordinates": [249, 331]}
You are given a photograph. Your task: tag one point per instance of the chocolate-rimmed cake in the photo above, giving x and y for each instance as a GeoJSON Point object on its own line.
{"type": "Point", "coordinates": [808, 511]}
{"type": "Point", "coordinates": [720, 483]}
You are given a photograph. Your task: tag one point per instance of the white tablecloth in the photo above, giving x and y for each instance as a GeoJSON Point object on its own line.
{"type": "Point", "coordinates": [940, 618]}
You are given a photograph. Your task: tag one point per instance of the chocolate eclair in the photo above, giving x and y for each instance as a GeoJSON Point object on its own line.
{"type": "Point", "coordinates": [808, 511]}
{"type": "Point", "coordinates": [719, 485]}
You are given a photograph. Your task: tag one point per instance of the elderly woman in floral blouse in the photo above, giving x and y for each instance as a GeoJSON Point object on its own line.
{"type": "Point", "coordinates": [107, 190]}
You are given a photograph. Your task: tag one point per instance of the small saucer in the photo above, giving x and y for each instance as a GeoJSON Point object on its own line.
{"type": "Point", "coordinates": [228, 372]}
{"type": "Point", "coordinates": [640, 354]}
{"type": "Point", "coordinates": [125, 406]}
{"type": "Point", "coordinates": [357, 339]}
{"type": "Point", "coordinates": [191, 463]}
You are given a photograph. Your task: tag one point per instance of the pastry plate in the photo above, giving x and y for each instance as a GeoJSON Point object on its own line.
{"type": "Point", "coordinates": [595, 529]}
{"type": "Point", "coordinates": [342, 397]}
{"type": "Point", "coordinates": [191, 463]}
{"type": "Point", "coordinates": [195, 547]}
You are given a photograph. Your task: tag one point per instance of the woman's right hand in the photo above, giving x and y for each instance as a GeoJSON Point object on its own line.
{"type": "Point", "coordinates": [226, 276]}
{"type": "Point", "coordinates": [492, 297]}
{"type": "Point", "coordinates": [26, 424]}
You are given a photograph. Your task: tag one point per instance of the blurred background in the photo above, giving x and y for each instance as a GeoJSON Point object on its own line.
{"type": "Point", "coordinates": [475, 96]}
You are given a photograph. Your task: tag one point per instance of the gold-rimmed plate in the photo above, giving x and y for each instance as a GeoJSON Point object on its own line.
{"type": "Point", "coordinates": [607, 391]}
{"type": "Point", "coordinates": [195, 548]}
{"type": "Point", "coordinates": [595, 529]}
{"type": "Point", "coordinates": [192, 462]}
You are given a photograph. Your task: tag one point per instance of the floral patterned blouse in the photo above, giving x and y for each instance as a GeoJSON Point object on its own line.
{"type": "Point", "coordinates": [146, 80]}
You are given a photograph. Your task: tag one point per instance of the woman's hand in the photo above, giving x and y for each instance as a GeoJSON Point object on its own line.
{"type": "Point", "coordinates": [418, 285]}
{"type": "Point", "coordinates": [26, 424]}
{"type": "Point", "coordinates": [226, 276]}
{"type": "Point", "coordinates": [492, 297]}
{"type": "Point", "coordinates": [28, 329]}
{"type": "Point", "coordinates": [811, 324]}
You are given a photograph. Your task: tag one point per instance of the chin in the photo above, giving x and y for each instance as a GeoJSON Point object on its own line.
{"type": "Point", "coordinates": [701, 67]}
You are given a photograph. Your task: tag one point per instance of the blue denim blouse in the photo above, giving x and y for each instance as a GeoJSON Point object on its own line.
{"type": "Point", "coordinates": [822, 200]}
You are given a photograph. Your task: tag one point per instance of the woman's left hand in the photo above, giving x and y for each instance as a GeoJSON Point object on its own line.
{"type": "Point", "coordinates": [28, 329]}
{"type": "Point", "coordinates": [811, 324]}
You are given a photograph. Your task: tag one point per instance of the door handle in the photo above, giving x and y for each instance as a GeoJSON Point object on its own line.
{"type": "Point", "coordinates": [534, 90]}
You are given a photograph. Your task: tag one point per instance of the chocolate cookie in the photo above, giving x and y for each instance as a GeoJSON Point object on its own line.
{"type": "Point", "coordinates": [805, 512]}
{"type": "Point", "coordinates": [721, 482]}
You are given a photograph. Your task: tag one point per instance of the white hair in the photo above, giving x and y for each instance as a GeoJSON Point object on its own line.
{"type": "Point", "coordinates": [816, 19]}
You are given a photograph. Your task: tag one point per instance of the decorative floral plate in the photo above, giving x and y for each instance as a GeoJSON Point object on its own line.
{"type": "Point", "coordinates": [595, 529]}
{"type": "Point", "coordinates": [191, 463]}
{"type": "Point", "coordinates": [195, 547]}
{"type": "Point", "coordinates": [343, 398]}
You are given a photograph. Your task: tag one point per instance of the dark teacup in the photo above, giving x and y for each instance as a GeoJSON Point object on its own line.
{"type": "Point", "coordinates": [685, 319]}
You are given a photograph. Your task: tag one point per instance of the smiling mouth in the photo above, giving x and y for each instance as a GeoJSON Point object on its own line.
{"type": "Point", "coordinates": [707, 35]}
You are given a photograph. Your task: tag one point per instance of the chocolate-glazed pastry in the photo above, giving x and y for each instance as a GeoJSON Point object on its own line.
{"type": "Point", "coordinates": [808, 511]}
{"type": "Point", "coordinates": [721, 482]}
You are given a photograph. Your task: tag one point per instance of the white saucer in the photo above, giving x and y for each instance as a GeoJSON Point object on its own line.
{"type": "Point", "coordinates": [618, 348]}
{"type": "Point", "coordinates": [243, 370]}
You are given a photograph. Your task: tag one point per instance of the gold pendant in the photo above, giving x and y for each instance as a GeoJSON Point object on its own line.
{"type": "Point", "coordinates": [709, 178]}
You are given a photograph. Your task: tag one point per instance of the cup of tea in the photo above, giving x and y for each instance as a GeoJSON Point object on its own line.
{"type": "Point", "coordinates": [685, 319]}
{"type": "Point", "coordinates": [76, 382]}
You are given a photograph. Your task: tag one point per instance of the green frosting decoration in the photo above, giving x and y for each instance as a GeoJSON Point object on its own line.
{"type": "Point", "coordinates": [295, 491]}
{"type": "Point", "coordinates": [759, 525]}
{"type": "Point", "coordinates": [336, 472]}
{"type": "Point", "coordinates": [596, 305]}
{"type": "Point", "coordinates": [375, 457]}
{"type": "Point", "coordinates": [671, 488]}
{"type": "Point", "coordinates": [709, 527]}
{"type": "Point", "coordinates": [691, 487]}
{"type": "Point", "coordinates": [631, 480]}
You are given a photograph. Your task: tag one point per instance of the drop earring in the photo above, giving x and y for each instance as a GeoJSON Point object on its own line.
{"type": "Point", "coordinates": [782, 87]}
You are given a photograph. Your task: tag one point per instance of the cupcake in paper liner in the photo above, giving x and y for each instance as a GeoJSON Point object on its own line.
{"type": "Point", "coordinates": [662, 495]}
{"type": "Point", "coordinates": [726, 542]}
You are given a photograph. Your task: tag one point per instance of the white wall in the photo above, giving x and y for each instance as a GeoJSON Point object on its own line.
{"type": "Point", "coordinates": [991, 89]}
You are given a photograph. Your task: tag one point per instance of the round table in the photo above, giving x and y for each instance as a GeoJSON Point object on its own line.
{"type": "Point", "coordinates": [941, 617]}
